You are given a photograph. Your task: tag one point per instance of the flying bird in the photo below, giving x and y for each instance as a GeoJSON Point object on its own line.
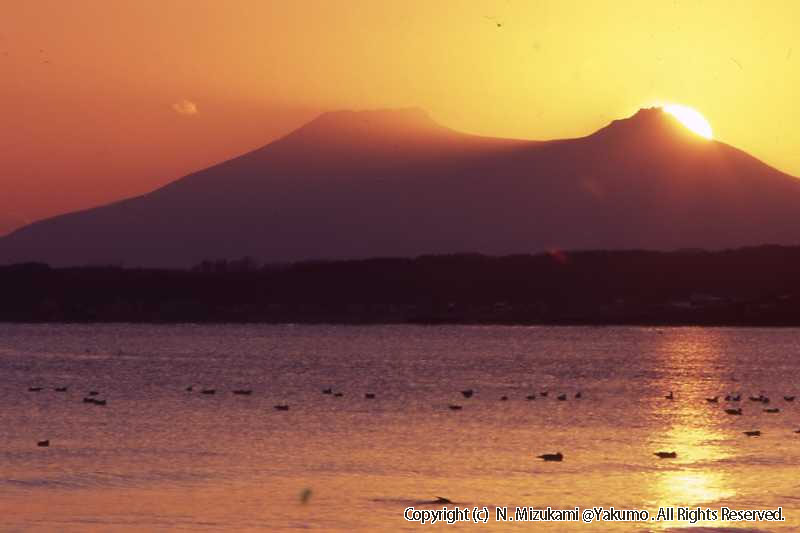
{"type": "Point", "coordinates": [494, 19]}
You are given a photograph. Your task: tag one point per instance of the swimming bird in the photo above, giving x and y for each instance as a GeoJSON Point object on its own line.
{"type": "Point", "coordinates": [544, 394]}
{"type": "Point", "coordinates": [34, 389]}
{"type": "Point", "coordinates": [670, 396]}
{"type": "Point", "coordinates": [243, 392]}
{"type": "Point", "coordinates": [43, 443]}
{"type": "Point", "coordinates": [369, 396]}
{"type": "Point", "coordinates": [715, 399]}
{"type": "Point", "coordinates": [789, 398]}
{"type": "Point", "coordinates": [797, 430]}
{"type": "Point", "coordinates": [281, 407]}
{"type": "Point", "coordinates": [327, 391]}
{"type": "Point", "coordinates": [190, 388]}
{"type": "Point", "coordinates": [578, 395]}
{"type": "Point", "coordinates": [754, 433]}
{"type": "Point", "coordinates": [530, 397]}
{"type": "Point", "coordinates": [209, 391]}
{"type": "Point", "coordinates": [562, 397]}
{"type": "Point", "coordinates": [60, 389]}
{"type": "Point", "coordinates": [94, 401]}
{"type": "Point", "coordinates": [468, 393]}
{"type": "Point", "coordinates": [772, 410]}
{"type": "Point", "coordinates": [93, 393]}
{"type": "Point", "coordinates": [558, 456]}
{"type": "Point", "coordinates": [503, 398]}
{"type": "Point", "coordinates": [454, 407]}
{"type": "Point", "coordinates": [338, 394]}
{"type": "Point", "coordinates": [730, 398]}
{"type": "Point", "coordinates": [439, 499]}
{"type": "Point", "coordinates": [666, 455]}
{"type": "Point", "coordinates": [734, 411]}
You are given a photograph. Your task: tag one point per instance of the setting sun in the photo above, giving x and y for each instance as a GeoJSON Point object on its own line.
{"type": "Point", "coordinates": [690, 118]}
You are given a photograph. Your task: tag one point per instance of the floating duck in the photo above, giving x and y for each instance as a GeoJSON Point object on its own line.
{"type": "Point", "coordinates": [578, 395]}
{"type": "Point", "coordinates": [208, 391]}
{"type": "Point", "coordinates": [670, 396]}
{"type": "Point", "coordinates": [60, 389]}
{"type": "Point", "coordinates": [558, 456]}
{"type": "Point", "coordinates": [562, 397]}
{"type": "Point", "coordinates": [503, 398]}
{"type": "Point", "coordinates": [454, 407]}
{"type": "Point", "coordinates": [530, 397]}
{"type": "Point", "coordinates": [43, 443]}
{"type": "Point", "coordinates": [439, 499]}
{"type": "Point", "coordinates": [189, 388]}
{"type": "Point", "coordinates": [93, 393]}
{"type": "Point", "coordinates": [94, 401]}
{"type": "Point", "coordinates": [544, 394]}
{"type": "Point", "coordinates": [243, 392]}
{"type": "Point", "coordinates": [34, 389]}
{"type": "Point", "coordinates": [772, 410]}
{"type": "Point", "coordinates": [369, 396]}
{"type": "Point", "coordinates": [338, 394]}
{"type": "Point", "coordinates": [754, 433]}
{"type": "Point", "coordinates": [281, 407]}
{"type": "Point", "coordinates": [666, 455]}
{"type": "Point", "coordinates": [789, 398]}
{"type": "Point", "coordinates": [734, 411]}
{"type": "Point", "coordinates": [715, 399]}
{"type": "Point", "coordinates": [327, 391]}
{"type": "Point", "coordinates": [467, 393]}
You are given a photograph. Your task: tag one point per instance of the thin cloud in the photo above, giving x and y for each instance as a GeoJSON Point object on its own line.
{"type": "Point", "coordinates": [185, 107]}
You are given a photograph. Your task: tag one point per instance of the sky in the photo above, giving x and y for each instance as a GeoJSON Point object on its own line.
{"type": "Point", "coordinates": [103, 100]}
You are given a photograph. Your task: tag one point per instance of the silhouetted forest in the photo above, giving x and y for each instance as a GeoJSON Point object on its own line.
{"type": "Point", "coordinates": [749, 286]}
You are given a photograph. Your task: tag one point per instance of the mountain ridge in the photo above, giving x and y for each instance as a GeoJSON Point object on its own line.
{"type": "Point", "coordinates": [354, 184]}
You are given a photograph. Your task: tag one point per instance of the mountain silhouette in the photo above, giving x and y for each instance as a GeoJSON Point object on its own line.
{"type": "Point", "coordinates": [396, 183]}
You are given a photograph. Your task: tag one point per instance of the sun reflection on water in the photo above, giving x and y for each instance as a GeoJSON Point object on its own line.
{"type": "Point", "coordinates": [692, 427]}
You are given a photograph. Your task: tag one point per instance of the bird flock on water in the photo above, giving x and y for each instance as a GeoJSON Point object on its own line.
{"type": "Point", "coordinates": [92, 398]}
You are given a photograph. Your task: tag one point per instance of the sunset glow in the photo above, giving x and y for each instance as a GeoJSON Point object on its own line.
{"type": "Point", "coordinates": [690, 118]}
{"type": "Point", "coordinates": [89, 106]}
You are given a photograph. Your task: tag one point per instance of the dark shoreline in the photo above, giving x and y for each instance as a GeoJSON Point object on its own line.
{"type": "Point", "coordinates": [747, 287]}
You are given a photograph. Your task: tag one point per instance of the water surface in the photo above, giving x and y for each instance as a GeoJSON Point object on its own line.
{"type": "Point", "coordinates": [160, 458]}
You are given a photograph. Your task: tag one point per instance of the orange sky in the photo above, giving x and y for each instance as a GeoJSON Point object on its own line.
{"type": "Point", "coordinates": [101, 100]}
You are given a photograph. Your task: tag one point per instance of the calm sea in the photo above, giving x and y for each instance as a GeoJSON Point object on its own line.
{"type": "Point", "coordinates": [160, 458]}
